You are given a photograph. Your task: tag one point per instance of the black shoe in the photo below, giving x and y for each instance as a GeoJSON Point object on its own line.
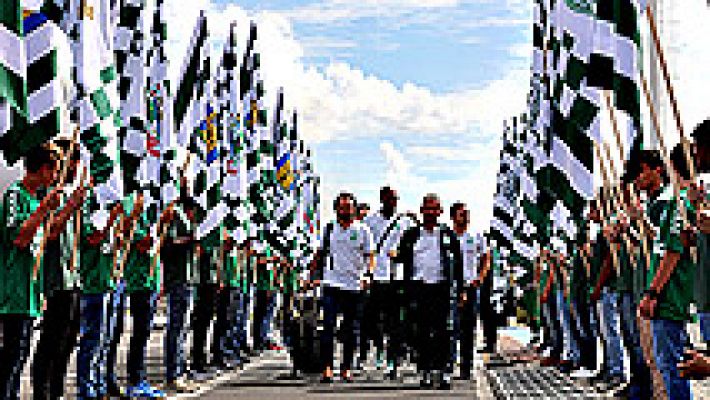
{"type": "Point", "coordinates": [426, 382]}
{"type": "Point", "coordinates": [113, 390]}
{"type": "Point", "coordinates": [444, 382]}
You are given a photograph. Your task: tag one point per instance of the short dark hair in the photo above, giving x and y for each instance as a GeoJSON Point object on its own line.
{"type": "Point", "coordinates": [455, 208]}
{"type": "Point", "coordinates": [652, 158]}
{"type": "Point", "coordinates": [430, 197]}
{"type": "Point", "coordinates": [363, 206]}
{"type": "Point", "coordinates": [344, 195]}
{"type": "Point", "coordinates": [679, 161]}
{"type": "Point", "coordinates": [38, 157]}
{"type": "Point", "coordinates": [701, 133]}
{"type": "Point", "coordinates": [384, 190]}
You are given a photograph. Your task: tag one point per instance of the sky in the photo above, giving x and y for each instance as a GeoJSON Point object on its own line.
{"type": "Point", "coordinates": [405, 93]}
{"type": "Point", "coordinates": [408, 93]}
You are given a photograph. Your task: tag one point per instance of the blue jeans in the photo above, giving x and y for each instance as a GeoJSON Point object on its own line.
{"type": "Point", "coordinates": [114, 323]}
{"type": "Point", "coordinates": [17, 332]}
{"type": "Point", "coordinates": [704, 318]}
{"type": "Point", "coordinates": [611, 332]}
{"type": "Point", "coordinates": [91, 368]}
{"type": "Point", "coordinates": [237, 331]}
{"type": "Point", "coordinates": [669, 340]}
{"type": "Point", "coordinates": [142, 310]}
{"type": "Point", "coordinates": [179, 297]}
{"type": "Point", "coordinates": [570, 350]}
{"type": "Point", "coordinates": [348, 303]}
{"type": "Point", "coordinates": [640, 382]}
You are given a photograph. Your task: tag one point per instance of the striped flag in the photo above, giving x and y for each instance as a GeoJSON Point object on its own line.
{"type": "Point", "coordinates": [35, 65]}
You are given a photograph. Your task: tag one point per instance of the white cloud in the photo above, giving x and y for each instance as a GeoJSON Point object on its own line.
{"type": "Point", "coordinates": [341, 101]}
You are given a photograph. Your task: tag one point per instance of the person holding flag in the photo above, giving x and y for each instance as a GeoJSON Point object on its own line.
{"type": "Point", "coordinates": [22, 215]}
{"type": "Point", "coordinates": [60, 322]}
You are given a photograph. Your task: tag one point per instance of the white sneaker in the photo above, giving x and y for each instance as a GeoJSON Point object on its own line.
{"type": "Point", "coordinates": [582, 373]}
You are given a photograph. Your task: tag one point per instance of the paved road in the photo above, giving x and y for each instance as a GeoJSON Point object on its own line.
{"type": "Point", "coordinates": [267, 377]}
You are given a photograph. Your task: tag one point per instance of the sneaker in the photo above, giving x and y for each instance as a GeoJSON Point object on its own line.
{"type": "Point", "coordinates": [426, 381]}
{"type": "Point", "coordinates": [445, 382]}
{"type": "Point", "coordinates": [144, 390]}
{"type": "Point", "coordinates": [274, 347]}
{"type": "Point", "coordinates": [582, 373]}
{"type": "Point", "coordinates": [346, 376]}
{"type": "Point", "coordinates": [180, 386]}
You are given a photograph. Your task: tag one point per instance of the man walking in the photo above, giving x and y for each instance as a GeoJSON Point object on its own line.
{"type": "Point", "coordinates": [472, 249]}
{"type": "Point", "coordinates": [432, 261]}
{"type": "Point", "coordinates": [381, 309]}
{"type": "Point", "coordinates": [350, 262]}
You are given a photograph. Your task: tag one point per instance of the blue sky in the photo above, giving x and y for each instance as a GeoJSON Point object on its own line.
{"type": "Point", "coordinates": [400, 92]}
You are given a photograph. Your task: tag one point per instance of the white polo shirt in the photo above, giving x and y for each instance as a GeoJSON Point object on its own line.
{"type": "Point", "coordinates": [472, 246]}
{"type": "Point", "coordinates": [427, 257]}
{"type": "Point", "coordinates": [378, 225]}
{"type": "Point", "coordinates": [348, 256]}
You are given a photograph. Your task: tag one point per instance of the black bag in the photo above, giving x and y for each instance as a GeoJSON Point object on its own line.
{"type": "Point", "coordinates": [305, 348]}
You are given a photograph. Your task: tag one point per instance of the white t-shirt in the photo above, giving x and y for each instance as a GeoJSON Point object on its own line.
{"type": "Point", "coordinates": [348, 250]}
{"type": "Point", "coordinates": [378, 225]}
{"type": "Point", "coordinates": [427, 257]}
{"type": "Point", "coordinates": [472, 246]}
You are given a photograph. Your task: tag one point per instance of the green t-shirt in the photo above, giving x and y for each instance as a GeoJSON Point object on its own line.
{"type": "Point", "coordinates": [208, 261]}
{"type": "Point", "coordinates": [234, 273]}
{"type": "Point", "coordinates": [96, 263]}
{"type": "Point", "coordinates": [702, 274]}
{"type": "Point", "coordinates": [58, 274]}
{"type": "Point", "coordinates": [627, 262]}
{"type": "Point", "coordinates": [676, 296]}
{"type": "Point", "coordinates": [177, 259]}
{"type": "Point", "coordinates": [18, 294]}
{"type": "Point", "coordinates": [137, 273]}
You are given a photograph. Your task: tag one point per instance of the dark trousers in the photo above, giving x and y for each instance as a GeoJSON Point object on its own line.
{"type": "Point", "coordinates": [489, 318]}
{"type": "Point", "coordinates": [585, 333]}
{"type": "Point", "coordinates": [434, 326]}
{"type": "Point", "coordinates": [228, 333]}
{"type": "Point", "coordinates": [58, 336]}
{"type": "Point", "coordinates": [142, 310]}
{"type": "Point", "coordinates": [348, 303]}
{"type": "Point", "coordinates": [380, 311]}
{"type": "Point", "coordinates": [178, 297]}
{"type": "Point", "coordinates": [265, 302]}
{"type": "Point", "coordinates": [17, 332]}
{"type": "Point", "coordinates": [640, 382]}
{"type": "Point", "coordinates": [401, 320]}
{"type": "Point", "coordinates": [468, 318]}
{"type": "Point", "coordinates": [202, 316]}
{"type": "Point", "coordinates": [553, 331]}
{"type": "Point", "coordinates": [91, 358]}
{"type": "Point", "coordinates": [116, 315]}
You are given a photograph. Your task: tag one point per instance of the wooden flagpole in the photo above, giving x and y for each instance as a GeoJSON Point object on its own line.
{"type": "Point", "coordinates": [671, 92]}
{"type": "Point", "coordinates": [52, 213]}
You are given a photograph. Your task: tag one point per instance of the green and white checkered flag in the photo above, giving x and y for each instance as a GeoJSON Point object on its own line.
{"type": "Point", "coordinates": [35, 89]}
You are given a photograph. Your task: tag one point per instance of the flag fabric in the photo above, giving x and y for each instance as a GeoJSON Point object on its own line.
{"type": "Point", "coordinates": [189, 99]}
{"type": "Point", "coordinates": [35, 64]}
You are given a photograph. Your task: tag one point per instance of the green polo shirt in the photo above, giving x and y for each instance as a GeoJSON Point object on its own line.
{"type": "Point", "coordinates": [18, 294]}
{"type": "Point", "coordinates": [207, 265]}
{"type": "Point", "coordinates": [137, 269]}
{"type": "Point", "coordinates": [177, 259]}
{"type": "Point", "coordinates": [676, 296]}
{"type": "Point", "coordinates": [235, 271]}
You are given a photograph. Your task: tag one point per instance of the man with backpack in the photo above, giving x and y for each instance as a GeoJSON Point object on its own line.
{"type": "Point", "coordinates": [347, 264]}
